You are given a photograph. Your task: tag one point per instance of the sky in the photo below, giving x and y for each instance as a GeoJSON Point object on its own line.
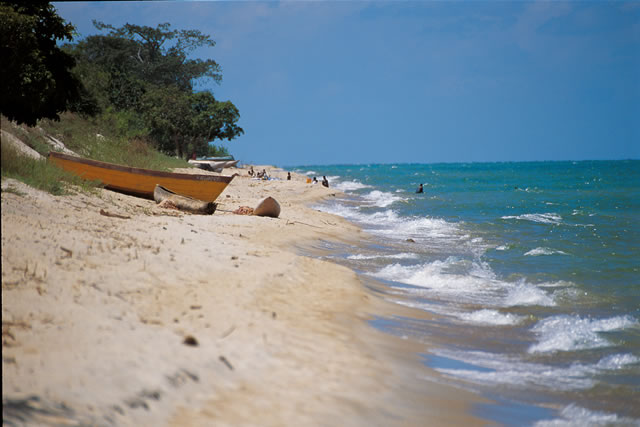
{"type": "Point", "coordinates": [359, 82]}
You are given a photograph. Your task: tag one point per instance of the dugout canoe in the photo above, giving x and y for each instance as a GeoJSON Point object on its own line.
{"type": "Point", "coordinates": [215, 165]}
{"type": "Point", "coordinates": [268, 207]}
{"type": "Point", "coordinates": [184, 203]}
{"type": "Point", "coordinates": [142, 182]}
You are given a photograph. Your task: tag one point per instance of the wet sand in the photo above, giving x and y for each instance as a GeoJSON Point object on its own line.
{"type": "Point", "coordinates": [166, 318]}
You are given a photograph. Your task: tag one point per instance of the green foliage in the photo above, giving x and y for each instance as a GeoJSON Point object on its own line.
{"type": "Point", "coordinates": [101, 140]}
{"type": "Point", "coordinates": [126, 124]}
{"type": "Point", "coordinates": [35, 76]}
{"type": "Point", "coordinates": [217, 151]}
{"type": "Point", "coordinates": [142, 80]}
{"type": "Point", "coordinates": [39, 173]}
{"type": "Point", "coordinates": [161, 54]}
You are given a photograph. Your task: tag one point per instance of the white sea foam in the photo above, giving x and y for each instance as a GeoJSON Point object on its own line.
{"type": "Point", "coordinates": [502, 247]}
{"type": "Point", "coordinates": [382, 199]}
{"type": "Point", "coordinates": [391, 256]}
{"type": "Point", "coordinates": [558, 284]}
{"type": "Point", "coordinates": [525, 293]}
{"type": "Point", "coordinates": [480, 317]}
{"type": "Point", "coordinates": [576, 416]}
{"type": "Point", "coordinates": [388, 223]}
{"type": "Point", "coordinates": [491, 317]}
{"type": "Point", "coordinates": [570, 333]}
{"type": "Point", "coordinates": [618, 361]}
{"type": "Point", "coordinates": [420, 228]}
{"type": "Point", "coordinates": [340, 210]}
{"type": "Point", "coordinates": [496, 368]}
{"type": "Point", "coordinates": [465, 280]}
{"type": "Point", "coordinates": [350, 185]}
{"type": "Point", "coordinates": [544, 218]}
{"type": "Point", "coordinates": [544, 251]}
{"type": "Point", "coordinates": [452, 278]}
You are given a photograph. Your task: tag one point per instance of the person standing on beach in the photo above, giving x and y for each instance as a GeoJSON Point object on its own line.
{"type": "Point", "coordinates": [324, 181]}
{"type": "Point", "coordinates": [288, 176]}
{"type": "Point", "coordinates": [420, 189]}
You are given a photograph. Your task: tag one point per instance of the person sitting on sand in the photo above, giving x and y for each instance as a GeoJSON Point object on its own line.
{"type": "Point", "coordinates": [265, 177]}
{"type": "Point", "coordinates": [260, 174]}
{"type": "Point", "coordinates": [288, 176]}
{"type": "Point", "coordinates": [315, 181]}
{"type": "Point", "coordinates": [324, 181]}
{"type": "Point", "coordinates": [251, 172]}
{"type": "Point", "coordinates": [420, 189]}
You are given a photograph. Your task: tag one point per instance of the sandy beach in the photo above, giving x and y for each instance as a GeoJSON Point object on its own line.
{"type": "Point", "coordinates": [158, 317]}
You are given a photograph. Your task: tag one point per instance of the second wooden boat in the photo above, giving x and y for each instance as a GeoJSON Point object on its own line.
{"type": "Point", "coordinates": [184, 203]}
{"type": "Point", "coordinates": [268, 207]}
{"type": "Point", "coordinates": [142, 182]}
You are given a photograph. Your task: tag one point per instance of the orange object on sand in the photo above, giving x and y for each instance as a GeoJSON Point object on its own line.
{"type": "Point", "coordinates": [142, 182]}
{"type": "Point", "coordinates": [308, 180]}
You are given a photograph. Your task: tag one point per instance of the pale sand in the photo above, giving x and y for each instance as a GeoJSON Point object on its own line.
{"type": "Point", "coordinates": [95, 310]}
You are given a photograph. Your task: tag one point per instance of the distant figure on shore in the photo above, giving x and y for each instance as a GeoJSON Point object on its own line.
{"type": "Point", "coordinates": [288, 176]}
{"type": "Point", "coordinates": [420, 189]}
{"type": "Point", "coordinates": [251, 172]}
{"type": "Point", "coordinates": [265, 176]}
{"type": "Point", "coordinates": [324, 181]}
{"type": "Point", "coordinates": [315, 181]}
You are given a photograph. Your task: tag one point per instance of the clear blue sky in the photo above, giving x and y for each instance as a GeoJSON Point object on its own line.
{"type": "Point", "coordinates": [391, 82]}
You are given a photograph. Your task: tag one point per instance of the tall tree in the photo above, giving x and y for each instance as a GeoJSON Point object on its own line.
{"type": "Point", "coordinates": [147, 71]}
{"type": "Point", "coordinates": [35, 77]}
{"type": "Point", "coordinates": [161, 55]}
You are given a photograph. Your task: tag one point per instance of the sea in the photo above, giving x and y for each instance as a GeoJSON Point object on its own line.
{"type": "Point", "coordinates": [524, 277]}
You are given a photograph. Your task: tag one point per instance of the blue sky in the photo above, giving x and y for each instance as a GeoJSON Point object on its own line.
{"type": "Point", "coordinates": [398, 82]}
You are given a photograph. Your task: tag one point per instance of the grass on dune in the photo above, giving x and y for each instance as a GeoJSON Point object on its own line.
{"type": "Point", "coordinates": [86, 137]}
{"type": "Point", "coordinates": [99, 140]}
{"type": "Point", "coordinates": [40, 173]}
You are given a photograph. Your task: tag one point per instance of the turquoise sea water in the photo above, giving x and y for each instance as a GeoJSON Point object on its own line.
{"type": "Point", "coordinates": [530, 273]}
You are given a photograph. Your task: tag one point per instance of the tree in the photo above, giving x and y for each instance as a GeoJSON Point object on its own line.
{"type": "Point", "coordinates": [145, 71]}
{"type": "Point", "coordinates": [35, 77]}
{"type": "Point", "coordinates": [214, 119]}
{"type": "Point", "coordinates": [184, 123]}
{"type": "Point", "coordinates": [168, 113]}
{"type": "Point", "coordinates": [160, 55]}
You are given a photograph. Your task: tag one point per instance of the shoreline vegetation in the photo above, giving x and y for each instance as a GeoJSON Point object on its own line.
{"type": "Point", "coordinates": [148, 316]}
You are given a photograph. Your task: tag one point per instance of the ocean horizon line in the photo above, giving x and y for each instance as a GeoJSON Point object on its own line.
{"type": "Point", "coordinates": [302, 165]}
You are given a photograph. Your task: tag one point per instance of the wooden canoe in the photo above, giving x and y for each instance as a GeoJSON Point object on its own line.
{"type": "Point", "coordinates": [184, 203]}
{"type": "Point", "coordinates": [142, 182]}
{"type": "Point", "coordinates": [215, 165]}
{"type": "Point", "coordinates": [268, 207]}
{"type": "Point", "coordinates": [206, 165]}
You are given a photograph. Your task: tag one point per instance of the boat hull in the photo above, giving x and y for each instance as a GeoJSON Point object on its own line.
{"type": "Point", "coordinates": [142, 182]}
{"type": "Point", "coordinates": [214, 165]}
{"type": "Point", "coordinates": [268, 207]}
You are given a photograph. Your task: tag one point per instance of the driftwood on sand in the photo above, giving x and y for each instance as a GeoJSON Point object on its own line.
{"type": "Point", "coordinates": [268, 207]}
{"type": "Point", "coordinates": [169, 199]}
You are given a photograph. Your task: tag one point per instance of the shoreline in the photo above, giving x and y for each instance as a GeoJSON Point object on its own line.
{"type": "Point", "coordinates": [96, 311]}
